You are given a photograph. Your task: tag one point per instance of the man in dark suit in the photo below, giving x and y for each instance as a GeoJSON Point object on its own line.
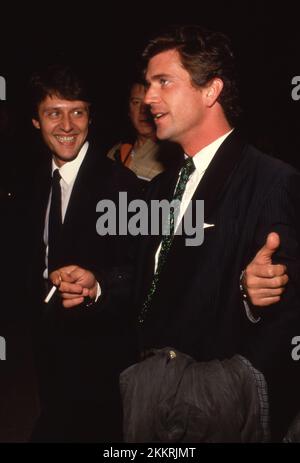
{"type": "Point", "coordinates": [189, 296]}
{"type": "Point", "coordinates": [79, 352]}
{"type": "Point", "coordinates": [197, 306]}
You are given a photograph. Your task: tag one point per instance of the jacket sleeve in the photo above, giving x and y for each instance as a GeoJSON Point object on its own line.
{"type": "Point", "coordinates": [269, 346]}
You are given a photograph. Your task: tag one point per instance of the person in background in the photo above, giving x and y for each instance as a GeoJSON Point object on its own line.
{"type": "Point", "coordinates": [142, 154]}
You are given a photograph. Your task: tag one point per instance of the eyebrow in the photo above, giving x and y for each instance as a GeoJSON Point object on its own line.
{"type": "Point", "coordinates": [160, 76]}
{"type": "Point", "coordinates": [56, 108]}
{"type": "Point", "coordinates": [52, 108]}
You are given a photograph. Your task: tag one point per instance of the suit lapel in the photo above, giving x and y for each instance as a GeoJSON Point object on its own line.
{"type": "Point", "coordinates": [218, 173]}
{"type": "Point", "coordinates": [39, 206]}
{"type": "Point", "coordinates": [43, 187]}
{"type": "Point", "coordinates": [83, 188]}
{"type": "Point", "coordinates": [212, 187]}
{"type": "Point", "coordinates": [77, 196]}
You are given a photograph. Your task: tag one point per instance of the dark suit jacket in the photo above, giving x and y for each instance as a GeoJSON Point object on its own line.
{"type": "Point", "coordinates": [197, 307]}
{"type": "Point", "coordinates": [81, 351]}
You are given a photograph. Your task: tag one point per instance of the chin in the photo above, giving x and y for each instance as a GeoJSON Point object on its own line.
{"type": "Point", "coordinates": [148, 134]}
{"type": "Point", "coordinates": [72, 151]}
{"type": "Point", "coordinates": [68, 157]}
{"type": "Point", "coordinates": [162, 136]}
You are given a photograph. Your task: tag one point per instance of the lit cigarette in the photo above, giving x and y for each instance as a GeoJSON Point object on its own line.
{"type": "Point", "coordinates": [51, 292]}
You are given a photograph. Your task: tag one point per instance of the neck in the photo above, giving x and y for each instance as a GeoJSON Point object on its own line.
{"type": "Point", "coordinates": [205, 135]}
{"type": "Point", "coordinates": [141, 140]}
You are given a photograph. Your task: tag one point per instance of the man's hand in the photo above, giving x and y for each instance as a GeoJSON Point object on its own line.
{"type": "Point", "coordinates": [263, 281]}
{"type": "Point", "coordinates": [74, 284]}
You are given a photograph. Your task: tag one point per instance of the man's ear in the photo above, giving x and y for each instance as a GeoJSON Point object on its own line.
{"type": "Point", "coordinates": [36, 123]}
{"type": "Point", "coordinates": [213, 90]}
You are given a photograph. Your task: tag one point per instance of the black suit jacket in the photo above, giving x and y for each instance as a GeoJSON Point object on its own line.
{"type": "Point", "coordinates": [81, 351]}
{"type": "Point", "coordinates": [197, 307]}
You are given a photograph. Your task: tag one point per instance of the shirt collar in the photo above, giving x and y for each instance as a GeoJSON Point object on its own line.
{"type": "Point", "coordinates": [70, 169]}
{"type": "Point", "coordinates": [203, 158]}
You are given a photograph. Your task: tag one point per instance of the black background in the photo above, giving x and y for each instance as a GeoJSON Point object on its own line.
{"type": "Point", "coordinates": [106, 42]}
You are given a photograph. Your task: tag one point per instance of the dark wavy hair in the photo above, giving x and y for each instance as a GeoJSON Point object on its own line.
{"type": "Point", "coordinates": [205, 55]}
{"type": "Point", "coordinates": [60, 80]}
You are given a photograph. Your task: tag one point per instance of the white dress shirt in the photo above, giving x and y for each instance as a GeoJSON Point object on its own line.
{"type": "Point", "coordinates": [68, 173]}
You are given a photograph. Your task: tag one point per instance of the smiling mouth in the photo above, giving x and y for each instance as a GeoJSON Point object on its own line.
{"type": "Point", "coordinates": [66, 139]}
{"type": "Point", "coordinates": [158, 116]}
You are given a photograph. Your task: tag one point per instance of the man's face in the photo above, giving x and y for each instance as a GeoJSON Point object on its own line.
{"type": "Point", "coordinates": [138, 113]}
{"type": "Point", "coordinates": [64, 126]}
{"type": "Point", "coordinates": [176, 105]}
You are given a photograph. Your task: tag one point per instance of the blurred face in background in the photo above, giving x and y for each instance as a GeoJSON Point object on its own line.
{"type": "Point", "coordinates": [139, 112]}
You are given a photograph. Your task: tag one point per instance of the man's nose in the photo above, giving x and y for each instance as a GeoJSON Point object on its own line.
{"type": "Point", "coordinates": [151, 96]}
{"type": "Point", "coordinates": [66, 123]}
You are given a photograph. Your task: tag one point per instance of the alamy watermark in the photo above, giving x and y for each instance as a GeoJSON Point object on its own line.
{"type": "Point", "coordinates": [296, 350]}
{"type": "Point", "coordinates": [2, 348]}
{"type": "Point", "coordinates": [141, 218]}
{"type": "Point", "coordinates": [296, 90]}
{"type": "Point", "coordinates": [2, 88]}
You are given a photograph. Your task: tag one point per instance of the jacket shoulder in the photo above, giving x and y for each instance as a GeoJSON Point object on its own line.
{"type": "Point", "coordinates": [268, 166]}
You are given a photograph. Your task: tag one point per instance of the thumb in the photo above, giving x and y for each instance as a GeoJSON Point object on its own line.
{"type": "Point", "coordinates": [55, 278]}
{"type": "Point", "coordinates": [264, 255]}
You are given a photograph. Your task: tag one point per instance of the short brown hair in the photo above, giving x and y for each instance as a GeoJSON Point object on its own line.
{"type": "Point", "coordinates": [205, 55]}
{"type": "Point", "coordinates": [60, 80]}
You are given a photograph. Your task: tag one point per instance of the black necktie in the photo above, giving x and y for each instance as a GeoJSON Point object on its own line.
{"type": "Point", "coordinates": [187, 169]}
{"type": "Point", "coordinates": [55, 223]}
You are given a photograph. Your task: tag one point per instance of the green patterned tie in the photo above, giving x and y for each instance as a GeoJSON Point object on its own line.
{"type": "Point", "coordinates": [185, 172]}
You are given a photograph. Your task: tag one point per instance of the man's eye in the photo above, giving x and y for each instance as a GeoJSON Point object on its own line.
{"type": "Point", "coordinates": [53, 114]}
{"type": "Point", "coordinates": [78, 112]}
{"type": "Point", "coordinates": [163, 82]}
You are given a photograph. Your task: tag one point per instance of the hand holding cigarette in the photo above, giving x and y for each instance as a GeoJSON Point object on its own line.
{"type": "Point", "coordinates": [74, 284]}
